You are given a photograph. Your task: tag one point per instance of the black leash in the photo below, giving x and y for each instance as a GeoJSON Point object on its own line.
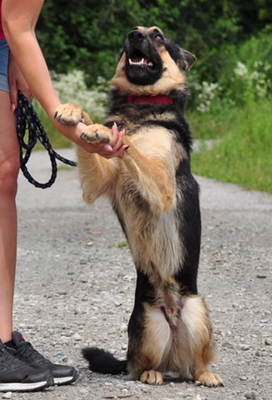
{"type": "Point", "coordinates": [28, 124]}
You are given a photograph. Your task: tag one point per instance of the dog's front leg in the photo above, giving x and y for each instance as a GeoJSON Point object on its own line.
{"type": "Point", "coordinates": [96, 173]}
{"type": "Point", "coordinates": [71, 114]}
{"type": "Point", "coordinates": [156, 183]}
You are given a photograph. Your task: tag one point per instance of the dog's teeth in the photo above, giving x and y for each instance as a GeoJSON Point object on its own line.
{"type": "Point", "coordinates": [135, 62]}
{"type": "Point", "coordinates": [150, 64]}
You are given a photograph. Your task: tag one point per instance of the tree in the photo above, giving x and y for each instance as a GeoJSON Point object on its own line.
{"type": "Point", "coordinates": [88, 35]}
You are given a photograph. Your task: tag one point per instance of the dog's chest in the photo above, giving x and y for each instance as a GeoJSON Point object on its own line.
{"type": "Point", "coordinates": [153, 142]}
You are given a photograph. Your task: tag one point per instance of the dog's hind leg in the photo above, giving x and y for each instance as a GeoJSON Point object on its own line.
{"type": "Point", "coordinates": [147, 350]}
{"type": "Point", "coordinates": [196, 318]}
{"type": "Point", "coordinates": [149, 336]}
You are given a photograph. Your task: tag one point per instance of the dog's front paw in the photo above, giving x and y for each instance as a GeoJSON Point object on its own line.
{"type": "Point", "coordinates": [211, 380]}
{"type": "Point", "coordinates": [152, 377]}
{"type": "Point", "coordinates": [96, 133]}
{"type": "Point", "coordinates": [69, 114]}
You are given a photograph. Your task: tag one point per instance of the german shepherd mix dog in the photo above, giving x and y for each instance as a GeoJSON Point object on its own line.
{"type": "Point", "coordinates": [156, 200]}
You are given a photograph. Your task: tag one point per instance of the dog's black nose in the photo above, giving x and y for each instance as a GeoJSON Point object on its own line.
{"type": "Point", "coordinates": [136, 36]}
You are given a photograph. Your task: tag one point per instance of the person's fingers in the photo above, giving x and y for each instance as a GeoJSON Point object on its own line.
{"type": "Point", "coordinates": [114, 131]}
{"type": "Point", "coordinates": [119, 153]}
{"type": "Point", "coordinates": [119, 141]}
{"type": "Point", "coordinates": [13, 92]}
{"type": "Point", "coordinates": [104, 152]}
{"type": "Point", "coordinates": [117, 137]}
{"type": "Point", "coordinates": [102, 149]}
{"type": "Point", "coordinates": [27, 92]}
{"type": "Point", "coordinates": [115, 148]}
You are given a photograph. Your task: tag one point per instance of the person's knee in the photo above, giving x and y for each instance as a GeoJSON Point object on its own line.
{"type": "Point", "coordinates": [9, 169]}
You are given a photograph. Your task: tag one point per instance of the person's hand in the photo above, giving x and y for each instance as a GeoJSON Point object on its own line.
{"type": "Point", "coordinates": [67, 119]}
{"type": "Point", "coordinates": [17, 82]}
{"type": "Point", "coordinates": [115, 148]}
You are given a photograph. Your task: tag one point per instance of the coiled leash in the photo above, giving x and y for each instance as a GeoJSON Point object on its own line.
{"type": "Point", "coordinates": [27, 122]}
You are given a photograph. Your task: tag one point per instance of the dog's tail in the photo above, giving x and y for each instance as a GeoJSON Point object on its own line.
{"type": "Point", "coordinates": [103, 362]}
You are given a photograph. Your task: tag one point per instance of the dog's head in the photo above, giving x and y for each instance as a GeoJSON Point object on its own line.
{"type": "Point", "coordinates": [150, 63]}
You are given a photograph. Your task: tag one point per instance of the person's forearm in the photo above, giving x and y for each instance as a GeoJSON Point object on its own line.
{"type": "Point", "coordinates": [19, 26]}
{"type": "Point", "coordinates": [26, 50]}
{"type": "Point", "coordinates": [19, 19]}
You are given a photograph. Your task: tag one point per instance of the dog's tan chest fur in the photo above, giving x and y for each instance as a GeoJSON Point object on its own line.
{"type": "Point", "coordinates": [153, 236]}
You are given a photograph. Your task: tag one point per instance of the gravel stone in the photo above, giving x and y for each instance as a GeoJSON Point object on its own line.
{"type": "Point", "coordinates": [75, 287]}
{"type": "Point", "coordinates": [250, 395]}
{"type": "Point", "coordinates": [7, 395]}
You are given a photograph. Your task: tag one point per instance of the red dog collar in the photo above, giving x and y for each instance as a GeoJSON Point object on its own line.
{"type": "Point", "coordinates": [150, 99]}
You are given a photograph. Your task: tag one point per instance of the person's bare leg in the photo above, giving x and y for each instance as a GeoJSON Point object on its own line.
{"type": "Point", "coordinates": [9, 167]}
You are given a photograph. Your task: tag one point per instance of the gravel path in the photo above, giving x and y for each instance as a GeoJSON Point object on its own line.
{"type": "Point", "coordinates": [75, 287]}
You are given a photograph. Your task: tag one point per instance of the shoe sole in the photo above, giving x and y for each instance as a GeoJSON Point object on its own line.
{"type": "Point", "coordinates": [24, 387]}
{"type": "Point", "coordinates": [66, 380]}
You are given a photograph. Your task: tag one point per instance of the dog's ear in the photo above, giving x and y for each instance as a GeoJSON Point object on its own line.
{"type": "Point", "coordinates": [188, 59]}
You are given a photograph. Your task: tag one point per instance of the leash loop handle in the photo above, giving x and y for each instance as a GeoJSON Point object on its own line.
{"type": "Point", "coordinates": [29, 131]}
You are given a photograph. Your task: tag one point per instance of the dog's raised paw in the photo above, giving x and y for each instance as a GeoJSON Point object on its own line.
{"type": "Point", "coordinates": [152, 377]}
{"type": "Point", "coordinates": [69, 114]}
{"type": "Point", "coordinates": [96, 133]}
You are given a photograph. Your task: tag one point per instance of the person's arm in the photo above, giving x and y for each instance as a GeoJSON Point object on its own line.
{"type": "Point", "coordinates": [19, 19]}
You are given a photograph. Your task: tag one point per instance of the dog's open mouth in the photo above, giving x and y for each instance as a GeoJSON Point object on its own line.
{"type": "Point", "coordinates": [137, 58]}
{"type": "Point", "coordinates": [143, 63]}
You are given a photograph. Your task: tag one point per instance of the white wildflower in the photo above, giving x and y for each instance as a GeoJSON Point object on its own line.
{"type": "Point", "coordinates": [206, 95]}
{"type": "Point", "coordinates": [72, 88]}
{"type": "Point", "coordinates": [240, 70]}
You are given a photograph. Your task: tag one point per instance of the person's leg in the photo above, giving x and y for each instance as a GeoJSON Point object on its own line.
{"type": "Point", "coordinates": [9, 167]}
{"type": "Point", "coordinates": [15, 375]}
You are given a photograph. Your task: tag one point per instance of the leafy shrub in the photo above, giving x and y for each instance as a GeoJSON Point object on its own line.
{"type": "Point", "coordinates": [246, 76]}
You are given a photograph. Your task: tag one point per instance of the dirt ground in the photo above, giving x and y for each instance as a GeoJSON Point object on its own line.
{"type": "Point", "coordinates": [75, 287]}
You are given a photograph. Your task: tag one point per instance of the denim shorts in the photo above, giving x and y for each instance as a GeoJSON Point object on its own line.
{"type": "Point", "coordinates": [4, 59]}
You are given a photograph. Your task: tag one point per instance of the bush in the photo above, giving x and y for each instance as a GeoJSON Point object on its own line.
{"type": "Point", "coordinates": [245, 75]}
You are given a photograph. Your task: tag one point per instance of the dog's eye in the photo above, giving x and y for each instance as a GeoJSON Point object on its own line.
{"type": "Point", "coordinates": [158, 38]}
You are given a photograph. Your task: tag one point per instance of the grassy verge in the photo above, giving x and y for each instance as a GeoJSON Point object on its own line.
{"type": "Point", "coordinates": [244, 155]}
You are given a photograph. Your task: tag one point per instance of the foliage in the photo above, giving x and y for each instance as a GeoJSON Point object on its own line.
{"type": "Point", "coordinates": [236, 110]}
{"type": "Point", "coordinates": [73, 86]}
{"type": "Point", "coordinates": [247, 73]}
{"type": "Point", "coordinates": [88, 36]}
{"type": "Point", "coordinates": [243, 155]}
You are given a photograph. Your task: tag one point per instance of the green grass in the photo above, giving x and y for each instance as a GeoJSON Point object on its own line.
{"type": "Point", "coordinates": [244, 155]}
{"type": "Point", "coordinates": [120, 245]}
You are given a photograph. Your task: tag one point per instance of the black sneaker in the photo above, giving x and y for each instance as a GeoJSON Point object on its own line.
{"type": "Point", "coordinates": [24, 350]}
{"type": "Point", "coordinates": [15, 375]}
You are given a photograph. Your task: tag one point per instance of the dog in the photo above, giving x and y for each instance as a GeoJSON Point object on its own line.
{"type": "Point", "coordinates": [156, 199]}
